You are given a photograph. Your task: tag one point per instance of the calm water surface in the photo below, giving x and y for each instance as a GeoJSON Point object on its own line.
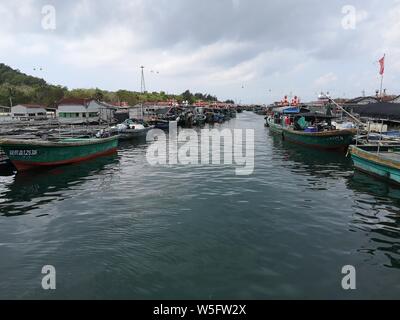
{"type": "Point", "coordinates": [118, 228]}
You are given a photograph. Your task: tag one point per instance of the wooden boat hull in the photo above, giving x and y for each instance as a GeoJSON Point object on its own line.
{"type": "Point", "coordinates": [327, 140]}
{"type": "Point", "coordinates": [27, 155]}
{"type": "Point", "coordinates": [130, 134]}
{"type": "Point", "coordinates": [375, 164]}
{"type": "Point", "coordinates": [274, 128]}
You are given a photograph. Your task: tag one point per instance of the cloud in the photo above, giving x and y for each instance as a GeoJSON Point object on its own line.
{"type": "Point", "coordinates": [325, 80]}
{"type": "Point", "coordinates": [208, 45]}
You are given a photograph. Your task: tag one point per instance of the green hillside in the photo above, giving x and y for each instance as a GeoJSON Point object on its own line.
{"type": "Point", "coordinates": [23, 88]}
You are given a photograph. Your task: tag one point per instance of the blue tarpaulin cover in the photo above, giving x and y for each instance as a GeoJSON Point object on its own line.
{"type": "Point", "coordinates": [291, 110]}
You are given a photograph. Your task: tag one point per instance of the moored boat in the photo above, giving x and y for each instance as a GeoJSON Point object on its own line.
{"type": "Point", "coordinates": [329, 139]}
{"type": "Point", "coordinates": [131, 129]}
{"type": "Point", "coordinates": [380, 161]}
{"type": "Point", "coordinates": [30, 154]}
{"type": "Point", "coordinates": [311, 129]}
{"type": "Point", "coordinates": [274, 125]}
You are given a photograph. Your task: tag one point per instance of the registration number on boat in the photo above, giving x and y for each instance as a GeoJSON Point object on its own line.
{"type": "Point", "coordinates": [338, 138]}
{"type": "Point", "coordinates": [23, 152]}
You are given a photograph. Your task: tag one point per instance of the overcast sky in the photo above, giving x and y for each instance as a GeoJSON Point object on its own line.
{"type": "Point", "coordinates": [255, 51]}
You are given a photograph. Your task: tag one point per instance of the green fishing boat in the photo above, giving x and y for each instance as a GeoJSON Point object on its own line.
{"type": "Point", "coordinates": [310, 129]}
{"type": "Point", "coordinates": [330, 139]}
{"type": "Point", "coordinates": [31, 154]}
{"type": "Point", "coordinates": [380, 161]}
{"type": "Point", "coordinates": [274, 125]}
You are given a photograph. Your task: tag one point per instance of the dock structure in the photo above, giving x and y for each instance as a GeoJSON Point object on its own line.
{"type": "Point", "coordinates": [49, 128]}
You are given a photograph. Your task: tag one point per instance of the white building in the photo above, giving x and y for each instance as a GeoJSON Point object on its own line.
{"type": "Point", "coordinates": [28, 112]}
{"type": "Point", "coordinates": [77, 111]}
{"type": "Point", "coordinates": [4, 109]}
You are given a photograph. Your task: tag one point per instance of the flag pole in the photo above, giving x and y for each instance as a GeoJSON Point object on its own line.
{"type": "Point", "coordinates": [383, 74]}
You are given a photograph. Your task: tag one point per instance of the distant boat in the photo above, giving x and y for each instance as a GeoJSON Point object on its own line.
{"type": "Point", "coordinates": [30, 154]}
{"type": "Point", "coordinates": [199, 119]}
{"type": "Point", "coordinates": [131, 129]}
{"type": "Point", "coordinates": [380, 161]}
{"type": "Point", "coordinates": [163, 124]}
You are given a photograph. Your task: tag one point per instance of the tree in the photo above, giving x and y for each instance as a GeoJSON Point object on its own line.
{"type": "Point", "coordinates": [23, 88]}
{"type": "Point", "coordinates": [187, 96]}
{"type": "Point", "coordinates": [98, 95]}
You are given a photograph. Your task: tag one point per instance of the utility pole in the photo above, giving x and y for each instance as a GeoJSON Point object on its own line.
{"type": "Point", "coordinates": [142, 90]}
{"type": "Point", "coordinates": [142, 82]}
{"type": "Point", "coordinates": [11, 92]}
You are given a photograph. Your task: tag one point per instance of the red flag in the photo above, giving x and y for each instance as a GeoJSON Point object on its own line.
{"type": "Point", "coordinates": [382, 63]}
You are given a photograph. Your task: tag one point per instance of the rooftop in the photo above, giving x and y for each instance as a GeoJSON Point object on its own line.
{"type": "Point", "coordinates": [74, 101]}
{"type": "Point", "coordinates": [32, 106]}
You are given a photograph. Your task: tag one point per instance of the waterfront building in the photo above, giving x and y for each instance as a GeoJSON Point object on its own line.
{"type": "Point", "coordinates": [78, 111]}
{"type": "Point", "coordinates": [28, 112]}
{"type": "Point", "coordinates": [4, 109]}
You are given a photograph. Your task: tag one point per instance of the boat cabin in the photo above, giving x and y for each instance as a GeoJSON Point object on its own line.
{"type": "Point", "coordinates": [311, 122]}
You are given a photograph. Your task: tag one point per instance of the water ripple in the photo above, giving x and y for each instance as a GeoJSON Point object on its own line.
{"type": "Point", "coordinates": [117, 227]}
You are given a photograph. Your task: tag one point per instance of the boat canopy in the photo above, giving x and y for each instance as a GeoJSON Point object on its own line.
{"type": "Point", "coordinates": [315, 115]}
{"type": "Point", "coordinates": [287, 110]}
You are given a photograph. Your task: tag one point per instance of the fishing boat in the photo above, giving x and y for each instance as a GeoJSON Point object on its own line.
{"type": "Point", "coordinates": [274, 125]}
{"type": "Point", "coordinates": [27, 154]}
{"type": "Point", "coordinates": [275, 120]}
{"type": "Point", "coordinates": [160, 124]}
{"type": "Point", "coordinates": [382, 161]}
{"type": "Point", "coordinates": [327, 139]}
{"type": "Point", "coordinates": [131, 129]}
{"type": "Point", "coordinates": [315, 130]}
{"type": "Point", "coordinates": [3, 157]}
{"type": "Point", "coordinates": [200, 117]}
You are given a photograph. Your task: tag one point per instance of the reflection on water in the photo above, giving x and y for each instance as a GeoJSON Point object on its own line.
{"type": "Point", "coordinates": [376, 212]}
{"type": "Point", "coordinates": [381, 190]}
{"type": "Point", "coordinates": [32, 189]}
{"type": "Point", "coordinates": [331, 164]}
{"type": "Point", "coordinates": [375, 204]}
{"type": "Point", "coordinates": [117, 227]}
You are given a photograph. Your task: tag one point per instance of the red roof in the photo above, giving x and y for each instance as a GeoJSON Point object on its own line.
{"type": "Point", "coordinates": [74, 101]}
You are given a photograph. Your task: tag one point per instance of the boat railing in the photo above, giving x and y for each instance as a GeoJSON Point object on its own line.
{"type": "Point", "coordinates": [380, 139]}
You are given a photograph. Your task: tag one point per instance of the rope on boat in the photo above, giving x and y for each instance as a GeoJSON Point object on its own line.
{"type": "Point", "coordinates": [345, 111]}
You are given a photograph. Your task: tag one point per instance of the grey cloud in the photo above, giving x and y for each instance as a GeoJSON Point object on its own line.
{"type": "Point", "coordinates": [283, 32]}
{"type": "Point", "coordinates": [293, 24]}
